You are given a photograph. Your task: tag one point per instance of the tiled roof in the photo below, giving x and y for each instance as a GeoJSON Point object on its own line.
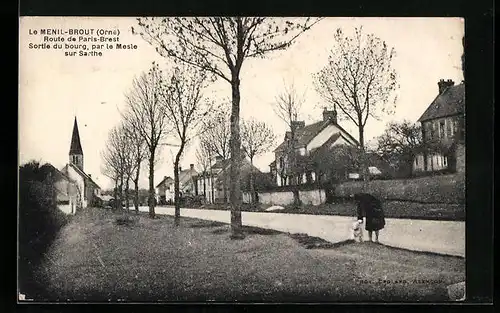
{"type": "Point", "coordinates": [186, 175]}
{"type": "Point", "coordinates": [449, 102]}
{"type": "Point", "coordinates": [327, 145]}
{"type": "Point", "coordinates": [166, 180]}
{"type": "Point", "coordinates": [245, 168]}
{"type": "Point", "coordinates": [307, 133]}
{"type": "Point", "coordinates": [76, 146]}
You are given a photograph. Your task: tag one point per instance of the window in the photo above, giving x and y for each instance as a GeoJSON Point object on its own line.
{"type": "Point", "coordinates": [449, 128]}
{"type": "Point", "coordinates": [282, 162]}
{"type": "Point", "coordinates": [441, 129]}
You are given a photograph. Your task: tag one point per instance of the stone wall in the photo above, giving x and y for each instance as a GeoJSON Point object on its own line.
{"type": "Point", "coordinates": [314, 197]}
{"type": "Point", "coordinates": [432, 189]}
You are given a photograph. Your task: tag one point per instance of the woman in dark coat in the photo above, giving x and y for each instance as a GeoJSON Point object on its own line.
{"type": "Point", "coordinates": [371, 208]}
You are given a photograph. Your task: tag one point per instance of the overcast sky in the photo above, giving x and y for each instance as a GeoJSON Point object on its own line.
{"type": "Point", "coordinates": [54, 88]}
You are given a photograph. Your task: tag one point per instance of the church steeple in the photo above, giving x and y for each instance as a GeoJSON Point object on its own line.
{"type": "Point", "coordinates": [75, 150]}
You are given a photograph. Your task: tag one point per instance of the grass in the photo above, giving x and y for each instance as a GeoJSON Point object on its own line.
{"type": "Point", "coordinates": [95, 259]}
{"type": "Point", "coordinates": [392, 209]}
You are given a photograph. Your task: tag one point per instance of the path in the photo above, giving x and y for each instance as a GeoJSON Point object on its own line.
{"type": "Point", "coordinates": [445, 237]}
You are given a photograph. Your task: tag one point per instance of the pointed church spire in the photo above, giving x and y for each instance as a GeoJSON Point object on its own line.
{"type": "Point", "coordinates": [76, 147]}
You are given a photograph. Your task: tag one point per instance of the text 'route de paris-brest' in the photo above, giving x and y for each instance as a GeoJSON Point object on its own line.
{"type": "Point", "coordinates": [83, 42]}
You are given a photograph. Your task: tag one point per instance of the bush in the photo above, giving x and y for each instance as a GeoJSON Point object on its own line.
{"type": "Point", "coordinates": [39, 221]}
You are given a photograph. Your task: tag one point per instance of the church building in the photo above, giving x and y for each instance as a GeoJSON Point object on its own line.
{"type": "Point", "coordinates": [85, 191]}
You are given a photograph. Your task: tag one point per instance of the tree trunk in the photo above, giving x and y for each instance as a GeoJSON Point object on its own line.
{"type": "Point", "coordinates": [151, 197]}
{"type": "Point", "coordinates": [121, 192]}
{"type": "Point", "coordinates": [177, 197]}
{"type": "Point", "coordinates": [136, 195]}
{"type": "Point", "coordinates": [204, 185]}
{"type": "Point", "coordinates": [127, 185]}
{"type": "Point", "coordinates": [212, 197]}
{"type": "Point", "coordinates": [293, 163]}
{"type": "Point", "coordinates": [252, 183]}
{"type": "Point", "coordinates": [364, 165]}
{"type": "Point", "coordinates": [136, 185]}
{"type": "Point", "coordinates": [235, 190]}
{"type": "Point", "coordinates": [116, 194]}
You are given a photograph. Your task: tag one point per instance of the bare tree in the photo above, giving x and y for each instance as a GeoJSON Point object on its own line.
{"type": "Point", "coordinates": [359, 79]}
{"type": "Point", "coordinates": [146, 116]}
{"type": "Point", "coordinates": [216, 139]}
{"type": "Point", "coordinates": [138, 154]}
{"type": "Point", "coordinates": [185, 107]}
{"type": "Point", "coordinates": [256, 139]}
{"type": "Point", "coordinates": [287, 107]}
{"type": "Point", "coordinates": [220, 45]}
{"type": "Point", "coordinates": [114, 162]}
{"type": "Point", "coordinates": [204, 161]}
{"type": "Point", "coordinates": [402, 141]}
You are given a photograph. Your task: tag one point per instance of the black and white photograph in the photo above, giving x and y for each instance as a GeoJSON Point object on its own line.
{"type": "Point", "coordinates": [241, 159]}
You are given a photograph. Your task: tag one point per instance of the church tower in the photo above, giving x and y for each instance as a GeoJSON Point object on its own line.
{"type": "Point", "coordinates": [75, 150]}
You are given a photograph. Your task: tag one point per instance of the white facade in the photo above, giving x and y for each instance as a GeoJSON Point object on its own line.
{"type": "Point", "coordinates": [326, 134]}
{"type": "Point", "coordinates": [79, 182]}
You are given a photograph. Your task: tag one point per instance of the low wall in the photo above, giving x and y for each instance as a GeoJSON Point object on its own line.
{"type": "Point", "coordinates": [431, 189]}
{"type": "Point", "coordinates": [311, 197]}
{"type": "Point", "coordinates": [66, 208]}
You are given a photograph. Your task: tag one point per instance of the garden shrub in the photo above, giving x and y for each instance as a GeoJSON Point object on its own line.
{"type": "Point", "coordinates": [39, 221]}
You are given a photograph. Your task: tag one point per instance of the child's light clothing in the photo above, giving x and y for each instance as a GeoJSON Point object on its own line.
{"type": "Point", "coordinates": [357, 231]}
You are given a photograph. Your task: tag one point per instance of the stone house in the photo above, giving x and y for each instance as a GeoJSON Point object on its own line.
{"type": "Point", "coordinates": [187, 186]}
{"type": "Point", "coordinates": [324, 134]}
{"type": "Point", "coordinates": [164, 190]}
{"type": "Point", "coordinates": [443, 123]}
{"type": "Point", "coordinates": [210, 183]}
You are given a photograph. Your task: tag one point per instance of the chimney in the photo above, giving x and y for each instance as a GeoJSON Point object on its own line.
{"type": "Point", "coordinates": [180, 168]}
{"type": "Point", "coordinates": [445, 84]}
{"type": "Point", "coordinates": [330, 115]}
{"type": "Point", "coordinates": [90, 175]}
{"type": "Point", "coordinates": [191, 166]}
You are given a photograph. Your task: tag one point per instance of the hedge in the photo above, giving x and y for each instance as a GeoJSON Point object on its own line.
{"type": "Point", "coordinates": [39, 223]}
{"type": "Point", "coordinates": [433, 189]}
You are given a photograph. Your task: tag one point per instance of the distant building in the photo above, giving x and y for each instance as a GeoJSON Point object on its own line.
{"type": "Point", "coordinates": [187, 186]}
{"type": "Point", "coordinates": [64, 190]}
{"type": "Point", "coordinates": [325, 134]}
{"type": "Point", "coordinates": [443, 122]}
{"type": "Point", "coordinates": [86, 191]}
{"type": "Point", "coordinates": [210, 183]}
{"type": "Point", "coordinates": [164, 190]}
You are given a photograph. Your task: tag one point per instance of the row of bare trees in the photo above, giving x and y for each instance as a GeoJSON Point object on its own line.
{"type": "Point", "coordinates": [160, 107]}
{"type": "Point", "coordinates": [219, 46]}
{"type": "Point", "coordinates": [256, 138]}
{"type": "Point", "coordinates": [358, 80]}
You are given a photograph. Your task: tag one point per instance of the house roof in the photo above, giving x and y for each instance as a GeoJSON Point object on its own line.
{"type": "Point", "coordinates": [450, 102]}
{"type": "Point", "coordinates": [186, 175]}
{"type": "Point", "coordinates": [76, 146]}
{"type": "Point", "coordinates": [165, 180]}
{"type": "Point", "coordinates": [245, 168]}
{"type": "Point", "coordinates": [305, 134]}
{"type": "Point", "coordinates": [82, 173]}
{"type": "Point", "coordinates": [327, 145]}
